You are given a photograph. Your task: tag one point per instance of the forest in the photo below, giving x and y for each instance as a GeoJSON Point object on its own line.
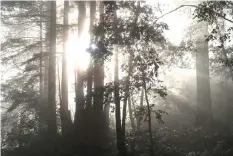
{"type": "Point", "coordinates": [116, 78]}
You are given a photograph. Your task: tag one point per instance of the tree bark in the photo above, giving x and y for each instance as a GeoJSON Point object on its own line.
{"type": "Point", "coordinates": [127, 95]}
{"type": "Point", "coordinates": [90, 67]}
{"type": "Point", "coordinates": [139, 117]}
{"type": "Point", "coordinates": [58, 81]}
{"type": "Point", "coordinates": [204, 111]}
{"type": "Point", "coordinates": [42, 115]}
{"type": "Point", "coordinates": [149, 120]}
{"type": "Point", "coordinates": [107, 105]}
{"type": "Point", "coordinates": [44, 122]}
{"type": "Point", "coordinates": [80, 82]}
{"type": "Point", "coordinates": [124, 117]}
{"type": "Point", "coordinates": [98, 81]}
{"type": "Point", "coordinates": [52, 124]}
{"type": "Point", "coordinates": [120, 140]}
{"type": "Point", "coordinates": [64, 110]}
{"type": "Point", "coordinates": [98, 110]}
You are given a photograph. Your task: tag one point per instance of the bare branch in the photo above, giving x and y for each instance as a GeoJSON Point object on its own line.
{"type": "Point", "coordinates": [169, 12]}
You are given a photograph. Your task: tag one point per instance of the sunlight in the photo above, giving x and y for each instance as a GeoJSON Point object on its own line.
{"type": "Point", "coordinates": [77, 58]}
{"type": "Point", "coordinates": [77, 54]}
{"type": "Point", "coordinates": [76, 48]}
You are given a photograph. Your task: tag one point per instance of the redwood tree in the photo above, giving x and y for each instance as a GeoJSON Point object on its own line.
{"type": "Point", "coordinates": [80, 75]}
{"type": "Point", "coordinates": [204, 110]}
{"type": "Point", "coordinates": [64, 110]}
{"type": "Point", "coordinates": [52, 124]}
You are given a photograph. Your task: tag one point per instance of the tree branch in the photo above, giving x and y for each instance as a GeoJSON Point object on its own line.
{"type": "Point", "coordinates": [218, 14]}
{"type": "Point", "coordinates": [169, 12]}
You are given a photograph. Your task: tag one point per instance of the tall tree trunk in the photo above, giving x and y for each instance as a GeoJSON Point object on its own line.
{"type": "Point", "coordinates": [204, 111]}
{"type": "Point", "coordinates": [120, 140]}
{"type": "Point", "coordinates": [42, 115]}
{"type": "Point", "coordinates": [98, 81]}
{"type": "Point", "coordinates": [229, 105]}
{"type": "Point", "coordinates": [127, 95]}
{"type": "Point", "coordinates": [106, 116]}
{"type": "Point", "coordinates": [80, 82]}
{"type": "Point", "coordinates": [98, 73]}
{"type": "Point", "coordinates": [131, 100]}
{"type": "Point", "coordinates": [58, 81]}
{"type": "Point", "coordinates": [139, 118]}
{"type": "Point", "coordinates": [64, 110]}
{"type": "Point", "coordinates": [226, 96]}
{"type": "Point", "coordinates": [52, 126]}
{"type": "Point", "coordinates": [149, 119]}
{"type": "Point", "coordinates": [90, 67]}
{"type": "Point", "coordinates": [44, 123]}
{"type": "Point", "coordinates": [124, 117]}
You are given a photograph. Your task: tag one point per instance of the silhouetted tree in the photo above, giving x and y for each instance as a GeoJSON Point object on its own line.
{"type": "Point", "coordinates": [90, 67]}
{"type": "Point", "coordinates": [80, 75]}
{"type": "Point", "coordinates": [64, 110]}
{"type": "Point", "coordinates": [52, 124]}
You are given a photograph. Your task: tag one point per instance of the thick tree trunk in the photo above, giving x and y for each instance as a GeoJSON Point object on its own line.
{"type": "Point", "coordinates": [52, 124]}
{"type": "Point", "coordinates": [64, 110]}
{"type": "Point", "coordinates": [80, 77]}
{"type": "Point", "coordinates": [43, 123]}
{"type": "Point", "coordinates": [204, 111]}
{"type": "Point", "coordinates": [90, 67]}
{"type": "Point", "coordinates": [98, 87]}
{"type": "Point", "coordinates": [80, 120]}
{"type": "Point", "coordinates": [79, 98]}
{"type": "Point", "coordinates": [42, 115]}
{"type": "Point", "coordinates": [98, 110]}
{"type": "Point", "coordinates": [98, 81]}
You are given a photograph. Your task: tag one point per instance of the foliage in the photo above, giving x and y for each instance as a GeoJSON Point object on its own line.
{"type": "Point", "coordinates": [139, 38]}
{"type": "Point", "coordinates": [212, 11]}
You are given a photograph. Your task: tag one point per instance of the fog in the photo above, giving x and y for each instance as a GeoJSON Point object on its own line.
{"type": "Point", "coordinates": [85, 78]}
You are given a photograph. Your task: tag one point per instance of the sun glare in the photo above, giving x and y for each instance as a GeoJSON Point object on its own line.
{"type": "Point", "coordinates": [76, 48]}
{"type": "Point", "coordinates": [77, 59]}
